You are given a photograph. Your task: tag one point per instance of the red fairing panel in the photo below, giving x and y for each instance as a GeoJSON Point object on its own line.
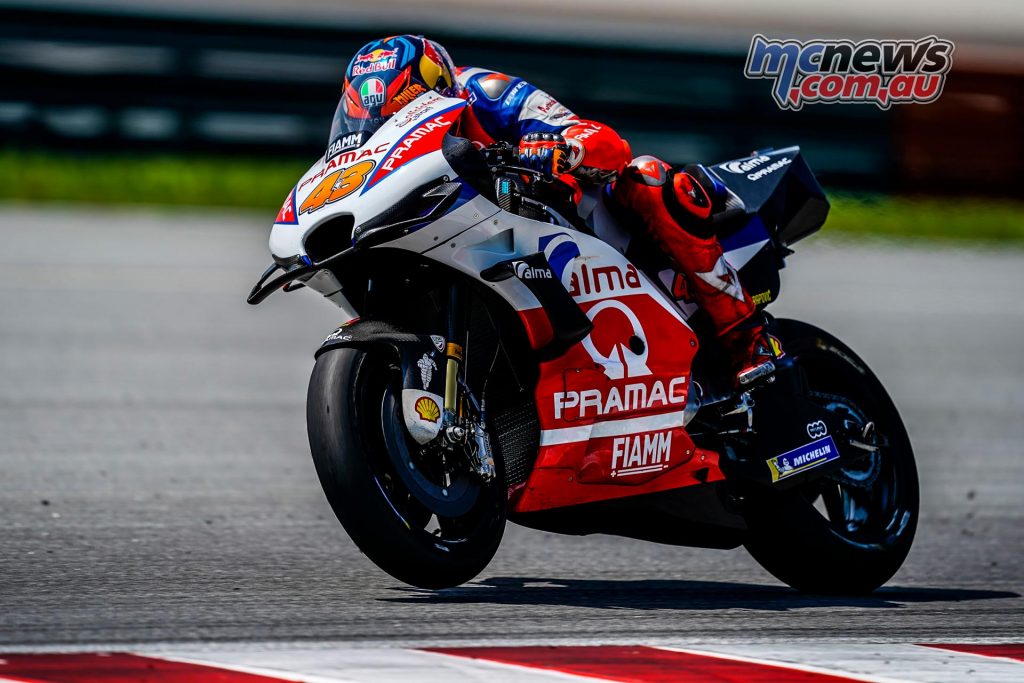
{"type": "Point", "coordinates": [538, 327]}
{"type": "Point", "coordinates": [611, 408]}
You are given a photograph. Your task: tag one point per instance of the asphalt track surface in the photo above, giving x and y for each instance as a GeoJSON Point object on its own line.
{"type": "Point", "coordinates": [155, 482]}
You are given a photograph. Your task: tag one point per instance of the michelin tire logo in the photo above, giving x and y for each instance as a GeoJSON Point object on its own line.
{"type": "Point", "coordinates": [808, 456]}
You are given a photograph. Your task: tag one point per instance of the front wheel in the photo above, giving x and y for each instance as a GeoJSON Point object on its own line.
{"type": "Point", "coordinates": [848, 532]}
{"type": "Point", "coordinates": [424, 520]}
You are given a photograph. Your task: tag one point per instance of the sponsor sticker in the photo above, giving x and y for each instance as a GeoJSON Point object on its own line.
{"type": "Point", "coordinates": [422, 414]}
{"type": "Point", "coordinates": [543, 107]}
{"type": "Point", "coordinates": [641, 453]}
{"type": "Point", "coordinates": [524, 271]}
{"type": "Point", "coordinates": [808, 456]}
{"type": "Point", "coordinates": [372, 92]}
{"type": "Point", "coordinates": [414, 113]}
{"type": "Point", "coordinates": [611, 344]}
{"type": "Point", "coordinates": [345, 142]}
{"type": "Point", "coordinates": [816, 429]}
{"type": "Point", "coordinates": [421, 140]}
{"type": "Point", "coordinates": [360, 70]}
{"type": "Point", "coordinates": [634, 397]}
{"type": "Point", "coordinates": [408, 95]}
{"type": "Point", "coordinates": [513, 92]}
{"type": "Point", "coordinates": [374, 61]}
{"type": "Point", "coordinates": [427, 367]}
{"type": "Point", "coordinates": [755, 167]}
{"type": "Point", "coordinates": [343, 159]}
{"type": "Point", "coordinates": [603, 280]}
{"type": "Point", "coordinates": [427, 409]}
{"type": "Point", "coordinates": [338, 335]}
{"type": "Point", "coordinates": [376, 56]}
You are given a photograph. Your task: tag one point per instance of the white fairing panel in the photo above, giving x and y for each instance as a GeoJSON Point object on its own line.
{"type": "Point", "coordinates": [593, 271]}
{"type": "Point", "coordinates": [362, 182]}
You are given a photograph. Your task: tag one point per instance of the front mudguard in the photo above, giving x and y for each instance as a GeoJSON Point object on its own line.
{"type": "Point", "coordinates": [422, 362]}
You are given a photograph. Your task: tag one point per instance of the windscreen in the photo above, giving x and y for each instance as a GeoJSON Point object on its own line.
{"type": "Point", "coordinates": [348, 132]}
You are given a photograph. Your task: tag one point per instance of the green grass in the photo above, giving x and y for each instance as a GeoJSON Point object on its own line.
{"type": "Point", "coordinates": [151, 180]}
{"type": "Point", "coordinates": [261, 184]}
{"type": "Point", "coordinates": [945, 218]}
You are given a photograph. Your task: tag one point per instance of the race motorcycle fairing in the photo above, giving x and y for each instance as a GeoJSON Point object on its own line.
{"type": "Point", "coordinates": [506, 350]}
{"type": "Point", "coordinates": [611, 407]}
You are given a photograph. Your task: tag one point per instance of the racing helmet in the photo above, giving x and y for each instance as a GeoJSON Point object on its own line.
{"type": "Point", "coordinates": [385, 75]}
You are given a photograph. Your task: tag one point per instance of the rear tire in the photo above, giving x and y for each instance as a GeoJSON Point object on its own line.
{"type": "Point", "coordinates": [348, 410]}
{"type": "Point", "coordinates": [870, 507]}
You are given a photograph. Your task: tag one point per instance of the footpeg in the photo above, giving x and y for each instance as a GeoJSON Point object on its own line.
{"type": "Point", "coordinates": [755, 374]}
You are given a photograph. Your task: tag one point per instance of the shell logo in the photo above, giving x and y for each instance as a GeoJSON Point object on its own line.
{"type": "Point", "coordinates": [427, 409]}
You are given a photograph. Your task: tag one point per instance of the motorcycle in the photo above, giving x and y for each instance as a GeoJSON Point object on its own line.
{"type": "Point", "coordinates": [513, 353]}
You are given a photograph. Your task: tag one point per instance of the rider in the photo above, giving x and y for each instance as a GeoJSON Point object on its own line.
{"type": "Point", "coordinates": [674, 205]}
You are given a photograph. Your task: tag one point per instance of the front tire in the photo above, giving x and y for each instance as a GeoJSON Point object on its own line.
{"type": "Point", "coordinates": [847, 533]}
{"type": "Point", "coordinates": [355, 436]}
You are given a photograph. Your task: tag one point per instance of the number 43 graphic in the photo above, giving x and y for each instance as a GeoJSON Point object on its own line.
{"type": "Point", "coordinates": [337, 185]}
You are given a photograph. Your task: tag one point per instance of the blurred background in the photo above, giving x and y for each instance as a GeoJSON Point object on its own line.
{"type": "Point", "coordinates": [156, 478]}
{"type": "Point", "coordinates": [104, 100]}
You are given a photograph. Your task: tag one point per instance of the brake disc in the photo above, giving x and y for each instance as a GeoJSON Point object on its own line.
{"type": "Point", "coordinates": [863, 473]}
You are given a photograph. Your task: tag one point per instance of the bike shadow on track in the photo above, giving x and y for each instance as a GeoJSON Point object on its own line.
{"type": "Point", "coordinates": [669, 594]}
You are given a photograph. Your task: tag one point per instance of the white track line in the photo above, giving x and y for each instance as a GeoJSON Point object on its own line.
{"type": "Point", "coordinates": [880, 662]}
{"type": "Point", "coordinates": [829, 670]}
{"type": "Point", "coordinates": [371, 666]}
{"type": "Point", "coordinates": [271, 672]}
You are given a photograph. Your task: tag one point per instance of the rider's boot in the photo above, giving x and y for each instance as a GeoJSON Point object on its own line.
{"type": "Point", "coordinates": [675, 208]}
{"type": "Point", "coordinates": [753, 351]}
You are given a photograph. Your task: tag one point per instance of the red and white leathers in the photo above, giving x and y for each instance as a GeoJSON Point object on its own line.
{"type": "Point", "coordinates": [675, 210]}
{"type": "Point", "coordinates": [673, 206]}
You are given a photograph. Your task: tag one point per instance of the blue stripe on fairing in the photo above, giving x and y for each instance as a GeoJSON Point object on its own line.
{"type": "Point", "coordinates": [563, 252]}
{"type": "Point", "coordinates": [466, 195]}
{"type": "Point", "coordinates": [753, 231]}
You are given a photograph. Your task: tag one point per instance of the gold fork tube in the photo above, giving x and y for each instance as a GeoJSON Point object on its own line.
{"type": "Point", "coordinates": [451, 378]}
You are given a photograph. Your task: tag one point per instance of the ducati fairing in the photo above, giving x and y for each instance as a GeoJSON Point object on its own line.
{"type": "Point", "coordinates": [501, 356]}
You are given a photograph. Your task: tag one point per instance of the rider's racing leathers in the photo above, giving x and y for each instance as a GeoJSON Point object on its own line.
{"type": "Point", "coordinates": [674, 206]}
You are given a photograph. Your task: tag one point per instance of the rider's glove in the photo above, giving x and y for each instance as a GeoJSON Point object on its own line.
{"type": "Point", "coordinates": [544, 152]}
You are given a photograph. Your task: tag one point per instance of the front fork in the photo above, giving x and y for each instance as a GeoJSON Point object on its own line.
{"type": "Point", "coordinates": [453, 350]}
{"type": "Point", "coordinates": [462, 427]}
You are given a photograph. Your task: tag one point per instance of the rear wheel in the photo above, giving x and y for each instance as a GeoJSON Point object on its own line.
{"type": "Point", "coordinates": [419, 516]}
{"type": "Point", "coordinates": [851, 531]}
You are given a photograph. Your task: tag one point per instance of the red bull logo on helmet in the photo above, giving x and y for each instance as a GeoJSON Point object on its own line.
{"type": "Point", "coordinates": [374, 61]}
{"type": "Point", "coordinates": [374, 56]}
